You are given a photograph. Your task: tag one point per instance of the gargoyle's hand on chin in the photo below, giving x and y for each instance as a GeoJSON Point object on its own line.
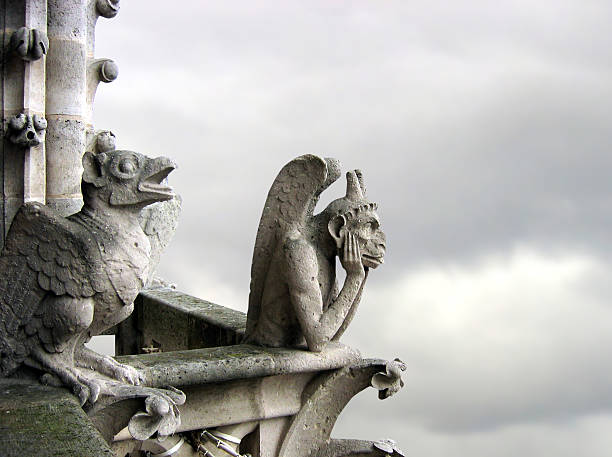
{"type": "Point", "coordinates": [351, 257]}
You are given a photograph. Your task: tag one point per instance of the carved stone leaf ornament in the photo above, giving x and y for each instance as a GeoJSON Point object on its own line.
{"type": "Point", "coordinates": [161, 416]}
{"type": "Point", "coordinates": [389, 446]}
{"type": "Point", "coordinates": [390, 381]}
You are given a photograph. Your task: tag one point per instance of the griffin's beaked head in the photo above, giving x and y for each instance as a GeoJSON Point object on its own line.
{"type": "Point", "coordinates": [126, 178]}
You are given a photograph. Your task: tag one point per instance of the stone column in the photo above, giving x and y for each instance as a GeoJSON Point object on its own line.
{"type": "Point", "coordinates": [66, 87]}
{"type": "Point", "coordinates": [23, 26]}
{"type": "Point", "coordinates": [72, 76]}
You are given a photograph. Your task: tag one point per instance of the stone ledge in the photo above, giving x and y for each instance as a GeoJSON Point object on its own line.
{"type": "Point", "coordinates": [42, 421]}
{"type": "Point", "coordinates": [242, 361]}
{"type": "Point", "coordinates": [169, 320]}
{"type": "Point", "coordinates": [215, 315]}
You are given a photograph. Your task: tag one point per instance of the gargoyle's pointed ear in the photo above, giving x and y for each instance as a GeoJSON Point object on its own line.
{"type": "Point", "coordinates": [335, 226]}
{"type": "Point", "coordinates": [91, 170]}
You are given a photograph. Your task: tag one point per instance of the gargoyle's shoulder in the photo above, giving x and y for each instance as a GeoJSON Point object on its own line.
{"type": "Point", "coordinates": [42, 222]}
{"type": "Point", "coordinates": [297, 246]}
{"type": "Point", "coordinates": [295, 238]}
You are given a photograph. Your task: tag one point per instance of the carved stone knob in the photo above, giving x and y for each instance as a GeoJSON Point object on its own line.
{"type": "Point", "coordinates": [18, 122]}
{"type": "Point", "coordinates": [107, 8]}
{"type": "Point", "coordinates": [105, 141]}
{"type": "Point", "coordinates": [25, 130]}
{"type": "Point", "coordinates": [108, 71]}
{"type": "Point", "coordinates": [29, 44]}
{"type": "Point", "coordinates": [40, 123]}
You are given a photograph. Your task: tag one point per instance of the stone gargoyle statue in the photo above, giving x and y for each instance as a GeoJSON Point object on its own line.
{"type": "Point", "coordinates": [294, 297]}
{"type": "Point", "coordinates": [66, 279]}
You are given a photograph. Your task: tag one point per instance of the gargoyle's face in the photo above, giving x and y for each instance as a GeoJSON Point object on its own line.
{"type": "Point", "coordinates": [366, 228]}
{"type": "Point", "coordinates": [129, 178]}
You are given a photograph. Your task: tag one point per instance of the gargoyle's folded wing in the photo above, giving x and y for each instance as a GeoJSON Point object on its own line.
{"type": "Point", "coordinates": [44, 253]}
{"type": "Point", "coordinates": [290, 202]}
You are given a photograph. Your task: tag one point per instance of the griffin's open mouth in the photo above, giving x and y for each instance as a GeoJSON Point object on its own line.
{"type": "Point", "coordinates": [156, 181]}
{"type": "Point", "coordinates": [372, 261]}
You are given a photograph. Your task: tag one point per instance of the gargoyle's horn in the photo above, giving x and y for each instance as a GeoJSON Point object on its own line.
{"type": "Point", "coordinates": [361, 182]}
{"type": "Point", "coordinates": [353, 189]}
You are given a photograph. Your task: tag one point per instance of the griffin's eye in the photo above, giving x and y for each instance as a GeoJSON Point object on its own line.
{"type": "Point", "coordinates": [125, 165]}
{"type": "Point", "coordinates": [128, 166]}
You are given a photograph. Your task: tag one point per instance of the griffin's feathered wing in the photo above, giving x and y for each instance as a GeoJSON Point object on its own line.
{"type": "Point", "coordinates": [290, 203]}
{"type": "Point", "coordinates": [44, 253]}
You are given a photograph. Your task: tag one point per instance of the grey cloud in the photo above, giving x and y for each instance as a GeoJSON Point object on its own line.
{"type": "Point", "coordinates": [466, 152]}
{"type": "Point", "coordinates": [480, 126]}
{"type": "Point", "coordinates": [495, 344]}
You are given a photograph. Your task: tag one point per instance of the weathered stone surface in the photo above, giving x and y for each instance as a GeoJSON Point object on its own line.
{"type": "Point", "coordinates": [66, 70]}
{"type": "Point", "coordinates": [22, 103]}
{"type": "Point", "coordinates": [66, 102]}
{"type": "Point", "coordinates": [65, 143]}
{"type": "Point", "coordinates": [202, 366]}
{"type": "Point", "coordinates": [240, 401]}
{"type": "Point", "coordinates": [44, 421]}
{"type": "Point", "coordinates": [323, 401]}
{"type": "Point", "coordinates": [294, 296]}
{"type": "Point", "coordinates": [172, 321]}
{"type": "Point", "coordinates": [359, 448]}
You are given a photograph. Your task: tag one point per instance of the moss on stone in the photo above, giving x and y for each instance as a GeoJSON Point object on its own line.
{"type": "Point", "coordinates": [43, 421]}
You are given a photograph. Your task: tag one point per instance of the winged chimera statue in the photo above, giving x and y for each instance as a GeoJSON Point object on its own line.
{"type": "Point", "coordinates": [65, 280]}
{"type": "Point", "coordinates": [294, 297]}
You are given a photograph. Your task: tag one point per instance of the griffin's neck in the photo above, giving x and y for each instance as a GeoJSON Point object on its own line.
{"type": "Point", "coordinates": [120, 217]}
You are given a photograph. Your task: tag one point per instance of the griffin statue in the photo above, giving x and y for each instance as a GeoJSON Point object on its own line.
{"type": "Point", "coordinates": [294, 297]}
{"type": "Point", "coordinates": [65, 280]}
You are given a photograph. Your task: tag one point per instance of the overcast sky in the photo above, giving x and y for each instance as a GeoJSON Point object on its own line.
{"type": "Point", "coordinates": [483, 130]}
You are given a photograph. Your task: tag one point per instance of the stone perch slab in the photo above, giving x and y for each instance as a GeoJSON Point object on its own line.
{"type": "Point", "coordinates": [222, 364]}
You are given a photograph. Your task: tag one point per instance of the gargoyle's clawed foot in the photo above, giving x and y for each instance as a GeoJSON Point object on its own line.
{"type": "Point", "coordinates": [60, 367]}
{"type": "Point", "coordinates": [87, 389]}
{"type": "Point", "coordinates": [127, 373]}
{"type": "Point", "coordinates": [110, 367]}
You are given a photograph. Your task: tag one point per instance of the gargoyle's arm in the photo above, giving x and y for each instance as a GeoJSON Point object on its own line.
{"type": "Point", "coordinates": [302, 272]}
{"type": "Point", "coordinates": [352, 311]}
